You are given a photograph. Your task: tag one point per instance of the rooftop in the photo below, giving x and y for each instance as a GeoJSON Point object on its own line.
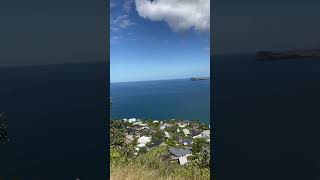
{"type": "Point", "coordinates": [179, 152]}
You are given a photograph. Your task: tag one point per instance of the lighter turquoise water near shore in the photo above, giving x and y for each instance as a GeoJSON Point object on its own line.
{"type": "Point", "coordinates": [162, 99]}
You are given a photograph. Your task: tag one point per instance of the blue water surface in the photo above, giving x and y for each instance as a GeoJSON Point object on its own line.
{"type": "Point", "coordinates": [162, 99]}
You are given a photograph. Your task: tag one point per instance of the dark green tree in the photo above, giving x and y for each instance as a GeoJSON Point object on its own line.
{"type": "Point", "coordinates": [117, 133]}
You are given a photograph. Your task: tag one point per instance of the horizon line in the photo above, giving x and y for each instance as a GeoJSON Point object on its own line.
{"type": "Point", "coordinates": [154, 80]}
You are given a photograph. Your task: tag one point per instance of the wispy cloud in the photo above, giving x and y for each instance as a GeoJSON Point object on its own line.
{"type": "Point", "coordinates": [121, 22]}
{"type": "Point", "coordinates": [180, 15]}
{"type": "Point", "coordinates": [127, 5]}
{"type": "Point", "coordinates": [115, 39]}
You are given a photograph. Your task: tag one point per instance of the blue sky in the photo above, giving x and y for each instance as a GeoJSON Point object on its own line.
{"type": "Point", "coordinates": [163, 39]}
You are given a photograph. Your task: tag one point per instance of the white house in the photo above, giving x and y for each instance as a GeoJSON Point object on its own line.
{"type": "Point", "coordinates": [181, 154]}
{"type": "Point", "coordinates": [183, 160]}
{"type": "Point", "coordinates": [206, 133]}
{"type": "Point", "coordinates": [141, 145]}
{"type": "Point", "coordinates": [166, 134]}
{"type": "Point", "coordinates": [130, 137]}
{"type": "Point", "coordinates": [144, 139]}
{"type": "Point", "coordinates": [186, 131]}
{"type": "Point", "coordinates": [139, 123]}
{"type": "Point", "coordinates": [132, 120]}
{"type": "Point", "coordinates": [162, 126]}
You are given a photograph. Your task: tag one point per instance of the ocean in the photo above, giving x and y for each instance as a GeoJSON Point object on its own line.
{"type": "Point", "coordinates": [56, 121]}
{"type": "Point", "coordinates": [162, 99]}
{"type": "Point", "coordinates": [266, 117]}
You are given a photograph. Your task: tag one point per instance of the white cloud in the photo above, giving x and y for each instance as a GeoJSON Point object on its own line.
{"type": "Point", "coordinates": [181, 15]}
{"type": "Point", "coordinates": [122, 21]}
{"type": "Point", "coordinates": [115, 39]}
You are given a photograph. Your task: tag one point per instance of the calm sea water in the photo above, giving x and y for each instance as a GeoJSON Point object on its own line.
{"type": "Point", "coordinates": [56, 118]}
{"type": "Point", "coordinates": [162, 99]}
{"type": "Point", "coordinates": [267, 118]}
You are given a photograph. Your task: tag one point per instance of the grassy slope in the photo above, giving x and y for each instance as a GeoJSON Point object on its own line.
{"type": "Point", "coordinates": [148, 166]}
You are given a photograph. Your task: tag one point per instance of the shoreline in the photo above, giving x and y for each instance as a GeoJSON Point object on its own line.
{"type": "Point", "coordinates": [166, 119]}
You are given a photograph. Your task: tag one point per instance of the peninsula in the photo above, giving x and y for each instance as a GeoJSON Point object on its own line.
{"type": "Point", "coordinates": [199, 78]}
{"type": "Point", "coordinates": [293, 54]}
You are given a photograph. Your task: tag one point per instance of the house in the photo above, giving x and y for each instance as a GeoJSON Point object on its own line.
{"type": "Point", "coordinates": [129, 137]}
{"type": "Point", "coordinates": [153, 144]}
{"type": "Point", "coordinates": [139, 123]}
{"type": "Point", "coordinates": [141, 145]}
{"type": "Point", "coordinates": [186, 131]}
{"type": "Point", "coordinates": [180, 154]}
{"type": "Point", "coordinates": [138, 127]}
{"type": "Point", "coordinates": [183, 160]}
{"type": "Point", "coordinates": [197, 136]}
{"type": "Point", "coordinates": [162, 126]}
{"type": "Point", "coordinates": [132, 120]}
{"type": "Point", "coordinates": [203, 134]}
{"type": "Point", "coordinates": [186, 141]}
{"type": "Point", "coordinates": [206, 133]}
{"type": "Point", "coordinates": [167, 134]}
{"type": "Point", "coordinates": [133, 132]}
{"type": "Point", "coordinates": [144, 139]}
{"type": "Point", "coordinates": [194, 132]}
{"type": "Point", "coordinates": [167, 124]}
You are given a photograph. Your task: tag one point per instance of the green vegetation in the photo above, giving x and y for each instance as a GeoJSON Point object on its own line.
{"type": "Point", "coordinates": [158, 135]}
{"type": "Point", "coordinates": [148, 165]}
{"type": "Point", "coordinates": [198, 143]}
{"type": "Point", "coordinates": [117, 133]}
{"type": "Point", "coordinates": [130, 161]}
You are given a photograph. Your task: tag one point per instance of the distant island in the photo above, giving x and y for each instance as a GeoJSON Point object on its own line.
{"type": "Point", "coordinates": [199, 78]}
{"type": "Point", "coordinates": [293, 54]}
